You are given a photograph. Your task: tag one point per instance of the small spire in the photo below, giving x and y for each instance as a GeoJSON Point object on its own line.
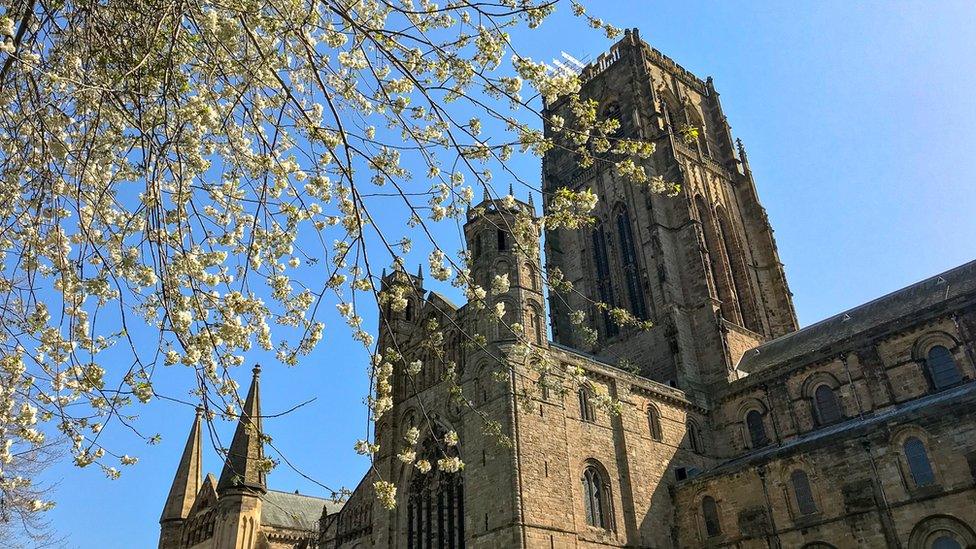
{"type": "Point", "coordinates": [189, 475]}
{"type": "Point", "coordinates": [531, 202]}
{"type": "Point", "coordinates": [384, 273]}
{"type": "Point", "coordinates": [243, 467]}
{"type": "Point", "coordinates": [511, 190]}
{"type": "Point", "coordinates": [485, 197]}
{"type": "Point", "coordinates": [420, 271]}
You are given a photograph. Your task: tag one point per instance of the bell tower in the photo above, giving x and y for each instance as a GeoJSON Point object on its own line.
{"type": "Point", "coordinates": [702, 265]}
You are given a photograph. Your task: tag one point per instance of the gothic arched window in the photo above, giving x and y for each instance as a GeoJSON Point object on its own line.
{"type": "Point", "coordinates": [694, 437]}
{"type": "Point", "coordinates": [596, 499]}
{"type": "Point", "coordinates": [603, 280]}
{"type": "Point", "coordinates": [435, 506]}
{"type": "Point", "coordinates": [802, 492]}
{"type": "Point", "coordinates": [942, 367]}
{"type": "Point", "coordinates": [654, 422]}
{"type": "Point", "coordinates": [827, 408]}
{"type": "Point", "coordinates": [628, 256]}
{"type": "Point", "coordinates": [740, 276]}
{"type": "Point", "coordinates": [710, 515]}
{"type": "Point", "coordinates": [587, 411]}
{"type": "Point", "coordinates": [670, 107]}
{"type": "Point", "coordinates": [502, 240]}
{"type": "Point", "coordinates": [918, 462]}
{"type": "Point", "coordinates": [538, 327]}
{"type": "Point", "coordinates": [718, 263]}
{"type": "Point", "coordinates": [533, 275]}
{"type": "Point", "coordinates": [757, 431]}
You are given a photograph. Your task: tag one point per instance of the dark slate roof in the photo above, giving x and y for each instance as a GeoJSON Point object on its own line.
{"type": "Point", "coordinates": [919, 296]}
{"type": "Point", "coordinates": [295, 511]}
{"type": "Point", "coordinates": [444, 298]}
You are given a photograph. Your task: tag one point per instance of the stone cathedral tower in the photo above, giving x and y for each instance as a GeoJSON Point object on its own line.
{"type": "Point", "coordinates": [702, 265]}
{"type": "Point", "coordinates": [737, 430]}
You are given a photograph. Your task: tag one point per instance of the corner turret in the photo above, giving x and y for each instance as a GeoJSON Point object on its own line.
{"type": "Point", "coordinates": [400, 324]}
{"type": "Point", "coordinates": [502, 237]}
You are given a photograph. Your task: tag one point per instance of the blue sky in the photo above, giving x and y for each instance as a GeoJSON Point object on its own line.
{"type": "Point", "coordinates": [860, 124]}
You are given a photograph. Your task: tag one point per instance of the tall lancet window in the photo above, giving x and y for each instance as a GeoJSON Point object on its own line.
{"type": "Point", "coordinates": [596, 499]}
{"type": "Point", "coordinates": [628, 257]}
{"type": "Point", "coordinates": [718, 263]}
{"type": "Point", "coordinates": [604, 288]}
{"type": "Point", "coordinates": [740, 276]}
{"type": "Point", "coordinates": [435, 505]}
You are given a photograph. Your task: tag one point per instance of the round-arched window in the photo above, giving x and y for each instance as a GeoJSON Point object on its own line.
{"type": "Point", "coordinates": [828, 408]}
{"type": "Point", "coordinates": [757, 431]}
{"type": "Point", "coordinates": [942, 367]}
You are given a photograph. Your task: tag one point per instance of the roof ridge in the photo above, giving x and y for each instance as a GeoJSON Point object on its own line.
{"type": "Point", "coordinates": [286, 492]}
{"type": "Point", "coordinates": [957, 283]}
{"type": "Point", "coordinates": [869, 302]}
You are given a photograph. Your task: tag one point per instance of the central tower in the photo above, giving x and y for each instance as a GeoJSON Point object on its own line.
{"type": "Point", "coordinates": [701, 265]}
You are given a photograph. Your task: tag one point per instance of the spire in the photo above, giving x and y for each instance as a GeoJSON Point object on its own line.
{"type": "Point", "coordinates": [188, 477]}
{"type": "Point", "coordinates": [531, 202]}
{"type": "Point", "coordinates": [511, 189]}
{"type": "Point", "coordinates": [243, 467]}
{"type": "Point", "coordinates": [742, 154]}
{"type": "Point", "coordinates": [420, 271]}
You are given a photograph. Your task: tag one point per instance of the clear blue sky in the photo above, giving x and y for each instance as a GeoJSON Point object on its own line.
{"type": "Point", "coordinates": [860, 124]}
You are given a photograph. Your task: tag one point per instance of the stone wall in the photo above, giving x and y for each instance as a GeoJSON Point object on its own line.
{"type": "Point", "coordinates": [857, 467]}
{"type": "Point", "coordinates": [861, 484]}
{"type": "Point", "coordinates": [555, 446]}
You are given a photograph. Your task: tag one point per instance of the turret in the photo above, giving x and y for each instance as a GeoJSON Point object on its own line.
{"type": "Point", "coordinates": [502, 237]}
{"type": "Point", "coordinates": [186, 485]}
{"type": "Point", "coordinates": [400, 323]}
{"type": "Point", "coordinates": [242, 483]}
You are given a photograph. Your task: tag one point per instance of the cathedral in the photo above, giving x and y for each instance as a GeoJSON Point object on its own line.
{"type": "Point", "coordinates": [734, 428]}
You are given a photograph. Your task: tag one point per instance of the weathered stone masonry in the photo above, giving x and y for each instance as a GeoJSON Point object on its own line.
{"type": "Point", "coordinates": [736, 429]}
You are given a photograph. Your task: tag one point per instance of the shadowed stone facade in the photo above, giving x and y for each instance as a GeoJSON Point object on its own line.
{"type": "Point", "coordinates": [735, 429]}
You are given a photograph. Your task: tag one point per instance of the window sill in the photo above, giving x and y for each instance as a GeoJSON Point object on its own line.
{"type": "Point", "coordinates": [925, 491]}
{"type": "Point", "coordinates": [714, 541]}
{"type": "Point", "coordinates": [597, 535]}
{"type": "Point", "coordinates": [808, 519]}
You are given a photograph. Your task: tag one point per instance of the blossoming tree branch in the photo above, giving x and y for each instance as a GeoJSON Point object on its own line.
{"type": "Point", "coordinates": [215, 175]}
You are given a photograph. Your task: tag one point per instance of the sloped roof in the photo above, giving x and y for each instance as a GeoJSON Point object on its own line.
{"type": "Point", "coordinates": [294, 511]}
{"type": "Point", "coordinates": [919, 296]}
{"type": "Point", "coordinates": [443, 298]}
